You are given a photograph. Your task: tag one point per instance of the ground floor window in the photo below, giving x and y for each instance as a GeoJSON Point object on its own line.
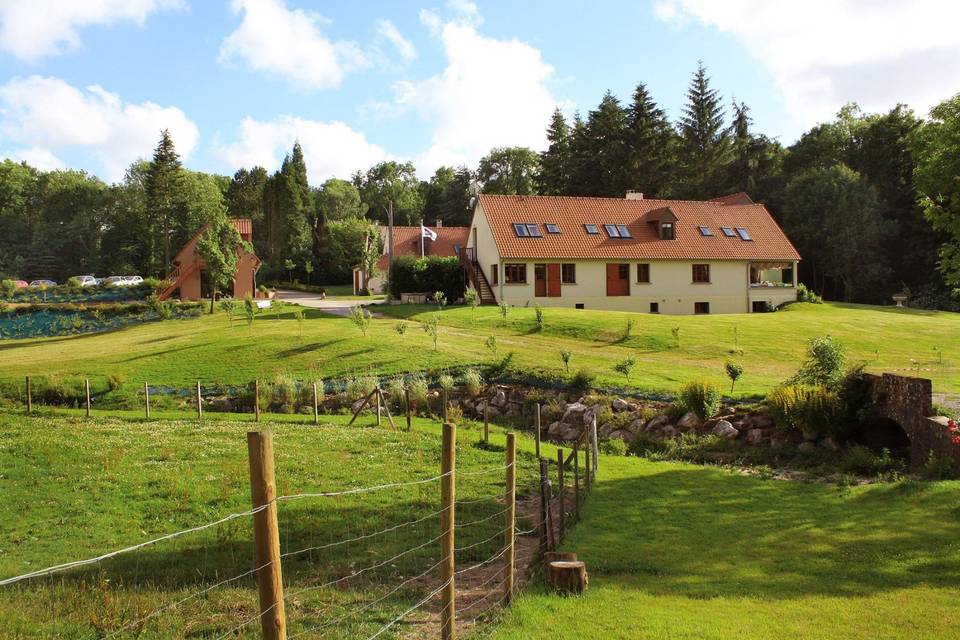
{"type": "Point", "coordinates": [515, 273]}
{"type": "Point", "coordinates": [654, 307]}
{"type": "Point", "coordinates": [568, 273]}
{"type": "Point", "coordinates": [494, 274]}
{"type": "Point", "coordinates": [578, 305]}
{"type": "Point", "coordinates": [701, 273]}
{"type": "Point", "coordinates": [643, 273]}
{"type": "Point", "coordinates": [701, 307]}
{"type": "Point", "coordinates": [760, 306]}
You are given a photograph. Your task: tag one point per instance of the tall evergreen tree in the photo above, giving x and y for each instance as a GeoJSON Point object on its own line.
{"type": "Point", "coordinates": [705, 141]}
{"type": "Point", "coordinates": [607, 174]}
{"type": "Point", "coordinates": [555, 160]}
{"type": "Point", "coordinates": [651, 146]}
{"type": "Point", "coordinates": [164, 184]}
{"type": "Point", "coordinates": [581, 176]}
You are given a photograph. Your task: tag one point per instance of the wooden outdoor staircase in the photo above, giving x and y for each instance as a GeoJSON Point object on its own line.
{"type": "Point", "coordinates": [477, 278]}
{"type": "Point", "coordinates": [174, 279]}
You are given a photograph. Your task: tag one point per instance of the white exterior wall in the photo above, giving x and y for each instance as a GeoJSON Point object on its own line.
{"type": "Point", "coordinates": [485, 248]}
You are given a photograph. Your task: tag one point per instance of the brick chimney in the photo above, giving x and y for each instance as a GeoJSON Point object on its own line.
{"type": "Point", "coordinates": [634, 195]}
{"type": "Point", "coordinates": [439, 223]}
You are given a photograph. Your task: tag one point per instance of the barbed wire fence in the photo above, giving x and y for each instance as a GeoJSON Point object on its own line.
{"type": "Point", "coordinates": [341, 572]}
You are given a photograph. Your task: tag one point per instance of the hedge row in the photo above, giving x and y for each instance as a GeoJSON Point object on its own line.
{"type": "Point", "coordinates": [428, 275]}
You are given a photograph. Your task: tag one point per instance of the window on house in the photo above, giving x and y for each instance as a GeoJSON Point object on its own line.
{"type": "Point", "coordinates": [667, 232]}
{"type": "Point", "coordinates": [624, 232]}
{"type": "Point", "coordinates": [654, 307]}
{"type": "Point", "coordinates": [533, 230]}
{"type": "Point", "coordinates": [578, 305]}
{"type": "Point", "coordinates": [743, 234]}
{"type": "Point", "coordinates": [701, 273]}
{"type": "Point", "coordinates": [705, 231]}
{"type": "Point", "coordinates": [623, 271]}
{"type": "Point", "coordinates": [515, 273]}
{"type": "Point", "coordinates": [520, 229]}
{"type": "Point", "coordinates": [591, 229]}
{"type": "Point", "coordinates": [568, 274]}
{"type": "Point", "coordinates": [494, 274]}
{"type": "Point", "coordinates": [727, 231]}
{"type": "Point", "coordinates": [643, 273]}
{"type": "Point", "coordinates": [701, 308]}
{"type": "Point", "coordinates": [456, 249]}
{"type": "Point", "coordinates": [612, 230]}
{"type": "Point", "coordinates": [552, 228]}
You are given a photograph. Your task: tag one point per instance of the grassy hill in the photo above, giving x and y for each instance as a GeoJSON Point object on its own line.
{"type": "Point", "coordinates": [769, 346]}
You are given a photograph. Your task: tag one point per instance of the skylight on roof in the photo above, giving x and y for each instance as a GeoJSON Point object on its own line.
{"type": "Point", "coordinates": [520, 229]}
{"type": "Point", "coordinates": [533, 230]}
{"type": "Point", "coordinates": [743, 234]}
{"type": "Point", "coordinates": [705, 231]}
{"type": "Point", "coordinates": [727, 231]}
{"type": "Point", "coordinates": [612, 230]}
{"type": "Point", "coordinates": [527, 230]}
{"type": "Point", "coordinates": [624, 232]}
{"type": "Point", "coordinates": [591, 229]}
{"type": "Point", "coordinates": [552, 228]}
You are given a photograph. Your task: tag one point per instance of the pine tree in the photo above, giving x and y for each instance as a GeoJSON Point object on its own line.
{"type": "Point", "coordinates": [163, 186]}
{"type": "Point", "coordinates": [606, 134]}
{"type": "Point", "coordinates": [555, 161]}
{"type": "Point", "coordinates": [742, 163]}
{"type": "Point", "coordinates": [581, 164]}
{"type": "Point", "coordinates": [705, 141]}
{"type": "Point", "coordinates": [650, 146]}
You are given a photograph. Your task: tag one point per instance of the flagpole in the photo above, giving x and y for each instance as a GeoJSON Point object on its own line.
{"type": "Point", "coordinates": [421, 238]}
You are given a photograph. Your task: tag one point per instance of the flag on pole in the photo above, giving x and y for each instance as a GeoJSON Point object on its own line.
{"type": "Point", "coordinates": [427, 233]}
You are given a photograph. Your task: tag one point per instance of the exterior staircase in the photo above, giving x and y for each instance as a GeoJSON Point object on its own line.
{"type": "Point", "coordinates": [173, 280]}
{"type": "Point", "coordinates": [476, 278]}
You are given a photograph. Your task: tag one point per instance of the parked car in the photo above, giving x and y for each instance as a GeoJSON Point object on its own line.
{"type": "Point", "coordinates": [117, 281]}
{"type": "Point", "coordinates": [134, 280]}
{"type": "Point", "coordinates": [37, 284]}
{"type": "Point", "coordinates": [20, 284]}
{"type": "Point", "coordinates": [86, 281]}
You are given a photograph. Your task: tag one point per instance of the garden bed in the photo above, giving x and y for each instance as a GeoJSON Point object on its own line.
{"type": "Point", "coordinates": [53, 320]}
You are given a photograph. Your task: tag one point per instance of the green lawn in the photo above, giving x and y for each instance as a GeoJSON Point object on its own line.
{"type": "Point", "coordinates": [770, 346]}
{"type": "Point", "coordinates": [679, 551]}
{"type": "Point", "coordinates": [71, 489]}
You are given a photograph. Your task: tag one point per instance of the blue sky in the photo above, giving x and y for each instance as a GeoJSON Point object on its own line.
{"type": "Point", "coordinates": [89, 83]}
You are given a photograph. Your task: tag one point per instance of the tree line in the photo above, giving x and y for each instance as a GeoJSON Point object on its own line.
{"type": "Point", "coordinates": [870, 200]}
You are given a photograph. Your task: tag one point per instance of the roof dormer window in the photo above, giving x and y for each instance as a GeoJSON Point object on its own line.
{"type": "Point", "coordinates": [667, 232]}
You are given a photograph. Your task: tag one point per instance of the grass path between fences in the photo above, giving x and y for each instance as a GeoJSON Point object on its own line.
{"type": "Point", "coordinates": [677, 551]}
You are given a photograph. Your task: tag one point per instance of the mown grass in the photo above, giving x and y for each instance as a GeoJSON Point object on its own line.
{"type": "Point", "coordinates": [769, 346]}
{"type": "Point", "coordinates": [680, 551]}
{"type": "Point", "coordinates": [73, 488]}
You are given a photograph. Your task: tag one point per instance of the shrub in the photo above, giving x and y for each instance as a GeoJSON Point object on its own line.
{"type": "Point", "coordinates": [417, 385]}
{"type": "Point", "coordinates": [627, 329]}
{"type": "Point", "coordinates": [675, 332]}
{"type": "Point", "coordinates": [498, 369]}
{"type": "Point", "coordinates": [734, 371]}
{"type": "Point", "coordinates": [625, 366]}
{"type": "Point", "coordinates": [613, 447]}
{"type": "Point", "coordinates": [504, 309]}
{"type": "Point", "coordinates": [799, 407]}
{"type": "Point", "coordinates": [701, 397]}
{"type": "Point", "coordinates": [583, 380]}
{"type": "Point", "coordinates": [471, 298]}
{"type": "Point", "coordinates": [538, 316]}
{"type": "Point", "coordinates": [396, 391]}
{"type": "Point", "coordinates": [938, 468]}
{"type": "Point", "coordinates": [7, 288]}
{"type": "Point", "coordinates": [565, 356]}
{"type": "Point", "coordinates": [361, 319]}
{"type": "Point", "coordinates": [400, 328]}
{"type": "Point", "coordinates": [806, 295]}
{"type": "Point", "coordinates": [491, 344]}
{"type": "Point", "coordinates": [473, 381]}
{"type": "Point", "coordinates": [432, 328]}
{"type": "Point", "coordinates": [284, 394]}
{"type": "Point", "coordinates": [433, 273]}
{"type": "Point", "coordinates": [114, 381]}
{"type": "Point", "coordinates": [824, 362]}
{"type": "Point", "coordinates": [861, 460]}
{"type": "Point", "coordinates": [445, 382]}
{"type": "Point", "coordinates": [228, 306]}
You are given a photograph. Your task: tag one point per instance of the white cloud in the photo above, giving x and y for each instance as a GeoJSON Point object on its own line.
{"type": "Point", "coordinates": [32, 29]}
{"type": "Point", "coordinates": [289, 43]}
{"type": "Point", "coordinates": [824, 53]}
{"type": "Point", "coordinates": [491, 93]}
{"type": "Point", "coordinates": [404, 47]}
{"type": "Point", "coordinates": [47, 115]}
{"type": "Point", "coordinates": [331, 149]}
{"type": "Point", "coordinates": [38, 158]}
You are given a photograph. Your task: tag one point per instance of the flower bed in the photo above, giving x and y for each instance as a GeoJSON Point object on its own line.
{"type": "Point", "coordinates": [45, 321]}
{"type": "Point", "coordinates": [67, 293]}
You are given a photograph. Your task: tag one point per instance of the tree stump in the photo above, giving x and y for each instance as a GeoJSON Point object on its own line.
{"type": "Point", "coordinates": [568, 576]}
{"type": "Point", "coordinates": [555, 556]}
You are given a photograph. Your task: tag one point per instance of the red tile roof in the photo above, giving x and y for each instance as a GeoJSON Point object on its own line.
{"type": "Point", "coordinates": [406, 242]}
{"type": "Point", "coordinates": [571, 213]}
{"type": "Point", "coordinates": [733, 198]}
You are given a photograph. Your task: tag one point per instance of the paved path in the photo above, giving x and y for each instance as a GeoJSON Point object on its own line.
{"type": "Point", "coordinates": [339, 307]}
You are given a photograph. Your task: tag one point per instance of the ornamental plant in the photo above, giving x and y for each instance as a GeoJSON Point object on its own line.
{"type": "Point", "coordinates": [954, 430]}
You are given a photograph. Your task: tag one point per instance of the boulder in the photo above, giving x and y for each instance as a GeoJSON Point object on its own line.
{"type": "Point", "coordinates": [622, 434]}
{"type": "Point", "coordinates": [724, 429]}
{"type": "Point", "coordinates": [620, 405]}
{"type": "Point", "coordinates": [604, 430]}
{"type": "Point", "coordinates": [499, 400]}
{"type": "Point", "coordinates": [590, 414]}
{"type": "Point", "coordinates": [657, 422]}
{"type": "Point", "coordinates": [690, 421]}
{"type": "Point", "coordinates": [636, 426]}
{"type": "Point", "coordinates": [755, 436]}
{"type": "Point", "coordinates": [492, 412]}
{"type": "Point", "coordinates": [554, 428]}
{"type": "Point", "coordinates": [574, 413]}
{"type": "Point", "coordinates": [569, 432]}
{"type": "Point", "coordinates": [668, 431]}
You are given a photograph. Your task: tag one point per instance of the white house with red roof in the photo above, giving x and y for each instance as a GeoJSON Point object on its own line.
{"type": "Point", "coordinates": [726, 255]}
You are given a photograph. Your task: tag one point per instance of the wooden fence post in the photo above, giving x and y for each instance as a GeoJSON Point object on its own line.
{"type": "Point", "coordinates": [511, 500]}
{"type": "Point", "coordinates": [594, 449]}
{"type": "Point", "coordinates": [444, 397]}
{"type": "Point", "coordinates": [448, 498]}
{"type": "Point", "coordinates": [316, 404]}
{"type": "Point", "coordinates": [536, 428]}
{"type": "Point", "coordinates": [560, 491]}
{"type": "Point", "coordinates": [29, 395]}
{"type": "Point", "coordinates": [586, 467]}
{"type": "Point", "coordinates": [146, 399]}
{"type": "Point", "coordinates": [377, 393]}
{"type": "Point", "coordinates": [86, 392]}
{"type": "Point", "coordinates": [199, 403]}
{"type": "Point", "coordinates": [544, 491]}
{"type": "Point", "coordinates": [256, 400]}
{"type": "Point", "coordinates": [406, 402]}
{"type": "Point", "coordinates": [576, 481]}
{"type": "Point", "coordinates": [266, 535]}
{"type": "Point", "coordinates": [486, 423]}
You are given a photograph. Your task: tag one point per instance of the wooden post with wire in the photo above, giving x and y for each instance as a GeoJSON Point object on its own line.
{"type": "Point", "coordinates": [406, 402]}
{"type": "Point", "coordinates": [561, 492]}
{"type": "Point", "coordinates": [486, 422]}
{"type": "Point", "coordinates": [256, 400]}
{"type": "Point", "coordinates": [511, 521]}
{"type": "Point", "coordinates": [378, 395]}
{"type": "Point", "coordinates": [316, 404]}
{"type": "Point", "coordinates": [86, 392]}
{"type": "Point", "coordinates": [146, 399]}
{"type": "Point", "coordinates": [266, 535]}
{"type": "Point", "coordinates": [586, 468]}
{"type": "Point", "coordinates": [199, 403]}
{"type": "Point", "coordinates": [29, 395]}
{"type": "Point", "coordinates": [448, 497]}
{"type": "Point", "coordinates": [576, 482]}
{"type": "Point", "coordinates": [536, 428]}
{"type": "Point", "coordinates": [444, 397]}
{"type": "Point", "coordinates": [544, 497]}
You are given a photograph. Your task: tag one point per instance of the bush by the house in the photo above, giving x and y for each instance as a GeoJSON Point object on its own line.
{"type": "Point", "coordinates": [806, 295]}
{"type": "Point", "coordinates": [701, 397]}
{"type": "Point", "coordinates": [430, 274]}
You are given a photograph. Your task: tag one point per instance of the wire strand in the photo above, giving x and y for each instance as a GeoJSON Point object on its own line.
{"type": "Point", "coordinates": [410, 610]}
